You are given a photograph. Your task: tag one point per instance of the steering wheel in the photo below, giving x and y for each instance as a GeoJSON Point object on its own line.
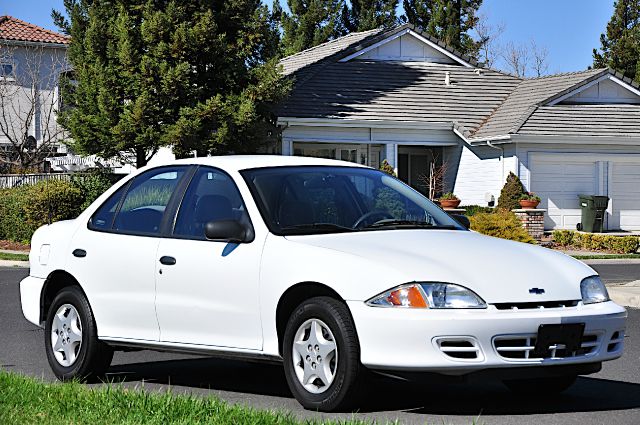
{"type": "Point", "coordinates": [379, 214]}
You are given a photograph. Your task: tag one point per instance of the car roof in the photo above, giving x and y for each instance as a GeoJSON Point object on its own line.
{"type": "Point", "coordinates": [243, 162]}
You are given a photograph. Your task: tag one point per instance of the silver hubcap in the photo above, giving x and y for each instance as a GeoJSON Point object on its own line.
{"type": "Point", "coordinates": [315, 356]}
{"type": "Point", "coordinates": [66, 335]}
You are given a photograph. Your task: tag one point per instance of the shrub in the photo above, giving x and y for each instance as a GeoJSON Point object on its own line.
{"type": "Point", "coordinates": [529, 196]}
{"type": "Point", "coordinates": [597, 242]}
{"type": "Point", "coordinates": [52, 200]}
{"type": "Point", "coordinates": [13, 224]}
{"type": "Point", "coordinates": [511, 193]}
{"type": "Point", "coordinates": [387, 168]}
{"type": "Point", "coordinates": [501, 224]}
{"type": "Point", "coordinates": [475, 209]}
{"type": "Point", "coordinates": [91, 186]}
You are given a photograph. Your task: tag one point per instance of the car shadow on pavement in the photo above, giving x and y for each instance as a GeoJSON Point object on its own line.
{"type": "Point", "coordinates": [383, 394]}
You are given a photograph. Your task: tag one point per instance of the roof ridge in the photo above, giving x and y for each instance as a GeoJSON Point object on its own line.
{"type": "Point", "coordinates": [342, 37]}
{"type": "Point", "coordinates": [564, 74]}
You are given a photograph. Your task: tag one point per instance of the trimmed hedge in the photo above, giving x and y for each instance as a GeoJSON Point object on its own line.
{"type": "Point", "coordinates": [596, 241]}
{"type": "Point", "coordinates": [501, 224]}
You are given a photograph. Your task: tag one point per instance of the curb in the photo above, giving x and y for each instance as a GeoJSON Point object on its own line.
{"type": "Point", "coordinates": [11, 263]}
{"type": "Point", "coordinates": [627, 295]}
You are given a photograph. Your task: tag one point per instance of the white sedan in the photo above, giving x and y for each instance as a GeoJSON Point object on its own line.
{"type": "Point", "coordinates": [334, 269]}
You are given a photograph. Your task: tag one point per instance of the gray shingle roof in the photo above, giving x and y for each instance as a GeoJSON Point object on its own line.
{"type": "Point", "coordinates": [584, 120]}
{"type": "Point", "coordinates": [527, 95]}
{"type": "Point", "coordinates": [293, 63]}
{"type": "Point", "coordinates": [481, 105]}
{"type": "Point", "coordinates": [399, 91]}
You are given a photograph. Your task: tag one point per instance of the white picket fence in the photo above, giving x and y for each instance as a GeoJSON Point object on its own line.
{"type": "Point", "coordinates": [14, 180]}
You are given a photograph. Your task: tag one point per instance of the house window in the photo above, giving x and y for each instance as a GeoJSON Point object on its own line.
{"type": "Point", "coordinates": [6, 70]}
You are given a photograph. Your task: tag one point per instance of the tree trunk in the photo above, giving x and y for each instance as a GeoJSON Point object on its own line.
{"type": "Point", "coordinates": [141, 157]}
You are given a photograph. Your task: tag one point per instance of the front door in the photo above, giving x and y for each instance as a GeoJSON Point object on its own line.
{"type": "Point", "coordinates": [114, 256]}
{"type": "Point", "coordinates": [209, 295]}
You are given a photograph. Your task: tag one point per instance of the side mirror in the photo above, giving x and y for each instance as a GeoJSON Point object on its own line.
{"type": "Point", "coordinates": [462, 219]}
{"type": "Point", "coordinates": [228, 231]}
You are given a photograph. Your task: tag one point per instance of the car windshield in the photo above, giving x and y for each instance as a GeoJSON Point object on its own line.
{"type": "Point", "coordinates": [323, 199]}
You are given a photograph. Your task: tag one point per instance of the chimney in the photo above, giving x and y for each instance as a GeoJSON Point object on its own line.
{"type": "Point", "coordinates": [447, 78]}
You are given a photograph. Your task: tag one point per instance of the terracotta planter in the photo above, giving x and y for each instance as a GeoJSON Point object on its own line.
{"type": "Point", "coordinates": [528, 203]}
{"type": "Point", "coordinates": [449, 203]}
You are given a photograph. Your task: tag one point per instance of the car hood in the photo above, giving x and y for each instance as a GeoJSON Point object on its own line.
{"type": "Point", "coordinates": [498, 270]}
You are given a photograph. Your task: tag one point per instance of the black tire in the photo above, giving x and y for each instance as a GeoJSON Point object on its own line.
{"type": "Point", "coordinates": [93, 356]}
{"type": "Point", "coordinates": [540, 386]}
{"type": "Point", "coordinates": [344, 392]}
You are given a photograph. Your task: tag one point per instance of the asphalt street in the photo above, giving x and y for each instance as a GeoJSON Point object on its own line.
{"type": "Point", "coordinates": [611, 396]}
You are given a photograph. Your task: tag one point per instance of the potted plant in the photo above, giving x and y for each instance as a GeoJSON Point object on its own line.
{"type": "Point", "coordinates": [449, 200]}
{"type": "Point", "coordinates": [529, 200]}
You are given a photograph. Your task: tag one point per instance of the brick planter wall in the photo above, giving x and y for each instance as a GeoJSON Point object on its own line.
{"type": "Point", "coordinates": [533, 221]}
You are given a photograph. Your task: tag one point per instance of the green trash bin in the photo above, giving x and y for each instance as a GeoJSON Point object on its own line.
{"type": "Point", "coordinates": [593, 210]}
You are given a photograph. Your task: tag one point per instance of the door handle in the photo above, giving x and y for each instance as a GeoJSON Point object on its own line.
{"type": "Point", "coordinates": [80, 253]}
{"type": "Point", "coordinates": [167, 261]}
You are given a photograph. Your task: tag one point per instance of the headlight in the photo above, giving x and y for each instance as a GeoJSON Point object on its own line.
{"type": "Point", "coordinates": [593, 290]}
{"type": "Point", "coordinates": [428, 295]}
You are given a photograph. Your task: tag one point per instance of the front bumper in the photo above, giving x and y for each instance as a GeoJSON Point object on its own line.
{"type": "Point", "coordinates": [457, 342]}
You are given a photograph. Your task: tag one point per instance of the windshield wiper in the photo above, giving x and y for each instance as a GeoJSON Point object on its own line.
{"type": "Point", "coordinates": [330, 227]}
{"type": "Point", "coordinates": [399, 224]}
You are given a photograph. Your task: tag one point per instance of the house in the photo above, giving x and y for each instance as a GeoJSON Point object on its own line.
{"type": "Point", "coordinates": [31, 61]}
{"type": "Point", "coordinates": [403, 96]}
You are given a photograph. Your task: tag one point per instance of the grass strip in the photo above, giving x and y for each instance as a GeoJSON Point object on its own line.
{"type": "Point", "coordinates": [25, 400]}
{"type": "Point", "coordinates": [606, 256]}
{"type": "Point", "coordinates": [13, 257]}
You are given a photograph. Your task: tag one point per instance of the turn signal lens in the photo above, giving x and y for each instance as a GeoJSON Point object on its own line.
{"type": "Point", "coordinates": [405, 296]}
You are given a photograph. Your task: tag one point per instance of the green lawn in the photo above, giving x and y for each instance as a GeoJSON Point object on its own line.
{"type": "Point", "coordinates": [26, 400]}
{"type": "Point", "coordinates": [606, 256]}
{"type": "Point", "coordinates": [13, 257]}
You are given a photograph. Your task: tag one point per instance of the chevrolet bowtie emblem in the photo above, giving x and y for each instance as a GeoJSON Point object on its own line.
{"type": "Point", "coordinates": [537, 291]}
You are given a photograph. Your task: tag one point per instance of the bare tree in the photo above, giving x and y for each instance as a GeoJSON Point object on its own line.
{"type": "Point", "coordinates": [435, 179]}
{"type": "Point", "coordinates": [488, 36]}
{"type": "Point", "coordinates": [29, 103]}
{"type": "Point", "coordinates": [539, 59]}
{"type": "Point", "coordinates": [517, 59]}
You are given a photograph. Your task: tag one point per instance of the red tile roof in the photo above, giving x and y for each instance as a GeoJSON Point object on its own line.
{"type": "Point", "coordinates": [17, 30]}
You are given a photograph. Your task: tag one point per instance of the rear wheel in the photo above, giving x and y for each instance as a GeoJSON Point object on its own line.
{"type": "Point", "coordinates": [322, 355]}
{"type": "Point", "coordinates": [71, 342]}
{"type": "Point", "coordinates": [541, 386]}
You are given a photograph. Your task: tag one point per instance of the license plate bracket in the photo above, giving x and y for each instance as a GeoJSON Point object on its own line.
{"type": "Point", "coordinates": [567, 334]}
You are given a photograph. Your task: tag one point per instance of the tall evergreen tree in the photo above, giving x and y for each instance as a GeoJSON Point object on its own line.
{"type": "Point", "coordinates": [620, 46]}
{"type": "Point", "coordinates": [364, 15]}
{"type": "Point", "coordinates": [446, 20]}
{"type": "Point", "coordinates": [195, 74]}
{"type": "Point", "coordinates": [311, 22]}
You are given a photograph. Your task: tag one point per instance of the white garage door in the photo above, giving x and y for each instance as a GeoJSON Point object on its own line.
{"type": "Point", "coordinates": [559, 178]}
{"type": "Point", "coordinates": [624, 191]}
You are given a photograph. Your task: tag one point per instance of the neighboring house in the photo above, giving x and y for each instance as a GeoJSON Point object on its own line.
{"type": "Point", "coordinates": [31, 61]}
{"type": "Point", "coordinates": [402, 96]}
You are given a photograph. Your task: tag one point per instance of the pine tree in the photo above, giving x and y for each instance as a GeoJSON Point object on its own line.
{"type": "Point", "coordinates": [620, 46]}
{"type": "Point", "coordinates": [311, 22]}
{"type": "Point", "coordinates": [366, 15]}
{"type": "Point", "coordinates": [446, 20]}
{"type": "Point", "coordinates": [194, 74]}
{"type": "Point", "coordinates": [511, 193]}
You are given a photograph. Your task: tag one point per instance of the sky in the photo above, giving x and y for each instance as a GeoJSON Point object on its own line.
{"type": "Point", "coordinates": [569, 29]}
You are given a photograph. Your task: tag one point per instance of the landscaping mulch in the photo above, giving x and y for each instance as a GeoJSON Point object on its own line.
{"type": "Point", "coordinates": [14, 246]}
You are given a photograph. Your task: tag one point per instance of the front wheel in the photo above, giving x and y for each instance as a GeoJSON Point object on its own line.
{"type": "Point", "coordinates": [70, 338]}
{"type": "Point", "coordinates": [322, 355]}
{"type": "Point", "coordinates": [541, 386]}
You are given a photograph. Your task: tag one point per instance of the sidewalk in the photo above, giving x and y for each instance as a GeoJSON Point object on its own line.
{"type": "Point", "coordinates": [627, 294]}
{"type": "Point", "coordinates": [14, 263]}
